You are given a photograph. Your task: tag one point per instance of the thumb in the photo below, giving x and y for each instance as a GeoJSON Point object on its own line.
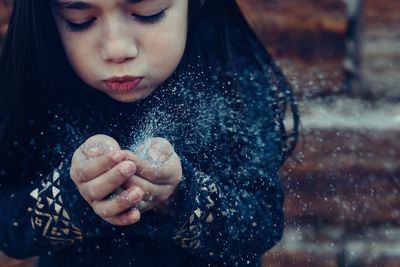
{"type": "Point", "coordinates": [98, 145]}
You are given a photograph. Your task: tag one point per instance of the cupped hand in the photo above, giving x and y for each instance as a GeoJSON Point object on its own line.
{"type": "Point", "coordinates": [99, 167]}
{"type": "Point", "coordinates": [158, 173]}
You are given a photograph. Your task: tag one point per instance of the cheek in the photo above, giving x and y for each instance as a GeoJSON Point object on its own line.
{"type": "Point", "coordinates": [166, 51]}
{"type": "Point", "coordinates": [78, 57]}
{"type": "Point", "coordinates": [167, 44]}
{"type": "Point", "coordinates": [71, 46]}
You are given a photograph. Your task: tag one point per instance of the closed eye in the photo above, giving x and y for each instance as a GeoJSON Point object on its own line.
{"type": "Point", "coordinates": [74, 27]}
{"type": "Point", "coordinates": [150, 19]}
{"type": "Point", "coordinates": [79, 26]}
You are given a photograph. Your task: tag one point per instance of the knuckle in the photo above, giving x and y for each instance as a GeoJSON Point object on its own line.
{"type": "Point", "coordinates": [156, 177]}
{"type": "Point", "coordinates": [99, 210]}
{"type": "Point", "coordinates": [122, 201]}
{"type": "Point", "coordinates": [149, 175]}
{"type": "Point", "coordinates": [81, 172]}
{"type": "Point", "coordinates": [116, 181]}
{"type": "Point", "coordinates": [95, 208]}
{"type": "Point", "coordinates": [128, 154]}
{"type": "Point", "coordinates": [109, 157]}
{"type": "Point", "coordinates": [125, 169]}
{"type": "Point", "coordinates": [91, 193]}
{"type": "Point", "coordinates": [72, 174]}
{"type": "Point", "coordinates": [159, 173]}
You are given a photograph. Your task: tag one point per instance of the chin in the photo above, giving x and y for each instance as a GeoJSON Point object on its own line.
{"type": "Point", "coordinates": [130, 97]}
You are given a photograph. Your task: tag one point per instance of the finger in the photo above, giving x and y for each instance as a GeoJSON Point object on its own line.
{"type": "Point", "coordinates": [105, 184]}
{"type": "Point", "coordinates": [152, 192]}
{"type": "Point", "coordinates": [93, 167]}
{"type": "Point", "coordinates": [155, 150]}
{"type": "Point", "coordinates": [146, 169]}
{"type": "Point", "coordinates": [160, 149]}
{"type": "Point", "coordinates": [93, 151]}
{"type": "Point", "coordinates": [129, 217]}
{"type": "Point", "coordinates": [110, 207]}
{"type": "Point", "coordinates": [155, 174]}
{"type": "Point", "coordinates": [169, 172]}
{"type": "Point", "coordinates": [99, 144]}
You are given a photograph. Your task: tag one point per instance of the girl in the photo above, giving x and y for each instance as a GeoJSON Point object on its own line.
{"type": "Point", "coordinates": [139, 133]}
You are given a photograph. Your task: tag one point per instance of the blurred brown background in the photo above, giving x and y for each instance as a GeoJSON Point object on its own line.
{"type": "Point", "coordinates": [342, 184]}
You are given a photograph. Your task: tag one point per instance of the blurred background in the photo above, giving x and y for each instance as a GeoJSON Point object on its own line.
{"type": "Point", "coordinates": [342, 183]}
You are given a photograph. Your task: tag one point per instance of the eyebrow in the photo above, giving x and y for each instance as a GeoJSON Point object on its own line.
{"type": "Point", "coordinates": [80, 5]}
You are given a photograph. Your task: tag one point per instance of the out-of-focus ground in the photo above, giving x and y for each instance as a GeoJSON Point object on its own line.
{"type": "Point", "coordinates": [342, 184]}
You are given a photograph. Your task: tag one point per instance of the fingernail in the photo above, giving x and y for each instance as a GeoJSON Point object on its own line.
{"type": "Point", "coordinates": [134, 194]}
{"type": "Point", "coordinates": [94, 151]}
{"type": "Point", "coordinates": [154, 153]}
{"type": "Point", "coordinates": [127, 168]}
{"type": "Point", "coordinates": [135, 215]}
{"type": "Point", "coordinates": [118, 156]}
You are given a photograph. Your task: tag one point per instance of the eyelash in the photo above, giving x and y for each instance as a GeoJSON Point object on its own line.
{"type": "Point", "coordinates": [150, 19]}
{"type": "Point", "coordinates": [74, 27]}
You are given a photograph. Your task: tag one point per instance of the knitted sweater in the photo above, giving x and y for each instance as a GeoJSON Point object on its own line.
{"type": "Point", "coordinates": [228, 212]}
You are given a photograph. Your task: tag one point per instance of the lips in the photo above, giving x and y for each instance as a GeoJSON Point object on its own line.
{"type": "Point", "coordinates": [122, 84]}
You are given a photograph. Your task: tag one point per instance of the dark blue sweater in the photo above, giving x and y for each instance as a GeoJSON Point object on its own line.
{"type": "Point", "coordinates": [228, 212]}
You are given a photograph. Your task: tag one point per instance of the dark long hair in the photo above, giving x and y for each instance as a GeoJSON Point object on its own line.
{"type": "Point", "coordinates": [223, 39]}
{"type": "Point", "coordinates": [32, 64]}
{"type": "Point", "coordinates": [34, 71]}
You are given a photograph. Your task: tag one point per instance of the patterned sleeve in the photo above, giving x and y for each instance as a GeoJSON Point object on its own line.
{"type": "Point", "coordinates": [41, 208]}
{"type": "Point", "coordinates": [44, 215]}
{"type": "Point", "coordinates": [230, 208]}
{"type": "Point", "coordinates": [224, 221]}
{"type": "Point", "coordinates": [48, 214]}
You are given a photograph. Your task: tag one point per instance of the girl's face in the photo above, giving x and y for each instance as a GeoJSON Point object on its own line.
{"type": "Point", "coordinates": [124, 48]}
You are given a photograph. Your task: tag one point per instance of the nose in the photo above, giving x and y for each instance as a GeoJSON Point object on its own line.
{"type": "Point", "coordinates": [118, 46]}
